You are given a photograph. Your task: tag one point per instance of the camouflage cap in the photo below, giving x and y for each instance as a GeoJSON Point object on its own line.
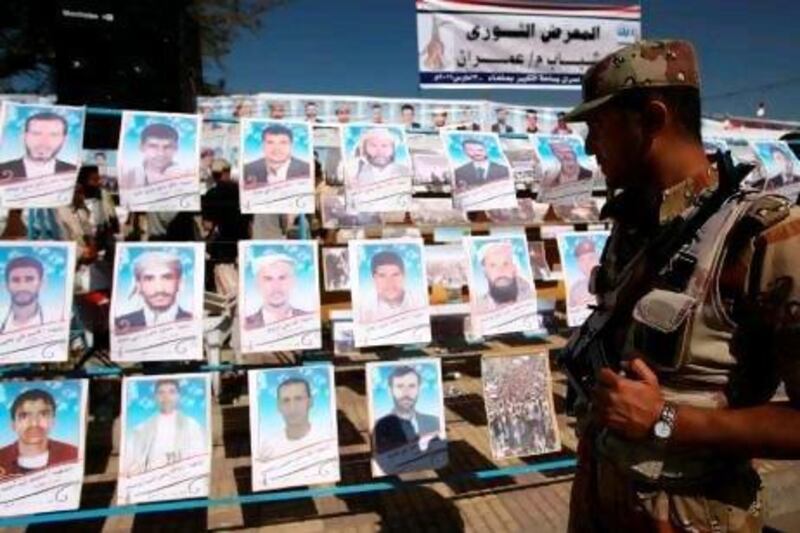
{"type": "Point", "coordinates": [661, 63]}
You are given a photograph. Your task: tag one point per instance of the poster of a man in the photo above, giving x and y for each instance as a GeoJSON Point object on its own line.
{"type": "Point", "coordinates": [580, 252]}
{"type": "Point", "coordinates": [35, 300]}
{"type": "Point", "coordinates": [277, 176]}
{"type": "Point", "coordinates": [157, 301]}
{"type": "Point", "coordinates": [501, 124]}
{"type": "Point", "coordinates": [502, 293]}
{"type": "Point", "coordinates": [293, 426]}
{"type": "Point", "coordinates": [42, 445]}
{"type": "Point", "coordinates": [378, 172]}
{"type": "Point", "coordinates": [389, 292]}
{"type": "Point", "coordinates": [279, 295]}
{"type": "Point", "coordinates": [406, 415]}
{"type": "Point", "coordinates": [408, 116]}
{"type": "Point", "coordinates": [159, 161]}
{"type": "Point", "coordinates": [566, 171]}
{"type": "Point", "coordinates": [39, 141]}
{"type": "Point", "coordinates": [166, 445]}
{"type": "Point", "coordinates": [780, 167]}
{"type": "Point", "coordinates": [481, 173]}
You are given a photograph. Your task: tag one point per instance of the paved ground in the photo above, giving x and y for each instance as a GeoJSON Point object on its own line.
{"type": "Point", "coordinates": [434, 501]}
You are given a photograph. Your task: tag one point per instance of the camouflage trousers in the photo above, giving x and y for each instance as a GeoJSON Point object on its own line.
{"type": "Point", "coordinates": [606, 499]}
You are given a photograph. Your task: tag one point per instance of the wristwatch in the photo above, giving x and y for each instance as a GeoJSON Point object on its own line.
{"type": "Point", "coordinates": [666, 422]}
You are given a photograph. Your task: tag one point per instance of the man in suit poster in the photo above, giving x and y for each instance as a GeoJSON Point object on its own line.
{"type": "Point", "coordinates": [40, 154]}
{"type": "Point", "coordinates": [157, 301]}
{"type": "Point", "coordinates": [277, 176]}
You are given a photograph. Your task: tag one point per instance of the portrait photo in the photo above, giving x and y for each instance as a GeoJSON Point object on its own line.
{"type": "Point", "coordinates": [293, 431]}
{"type": "Point", "coordinates": [159, 161]}
{"type": "Point", "coordinates": [377, 167]}
{"type": "Point", "coordinates": [779, 166]}
{"type": "Point", "coordinates": [157, 301]}
{"type": "Point", "coordinates": [42, 445]}
{"type": "Point", "coordinates": [566, 174]}
{"type": "Point", "coordinates": [277, 174]}
{"type": "Point", "coordinates": [165, 451]}
{"type": "Point", "coordinates": [389, 293]}
{"type": "Point", "coordinates": [336, 268]}
{"type": "Point", "coordinates": [481, 173]}
{"type": "Point", "coordinates": [40, 154]}
{"type": "Point", "coordinates": [35, 300]}
{"type": "Point", "coordinates": [580, 253]}
{"type": "Point", "coordinates": [520, 412]}
{"type": "Point", "coordinates": [279, 295]}
{"type": "Point", "coordinates": [106, 163]}
{"type": "Point", "coordinates": [406, 416]}
{"type": "Point", "coordinates": [501, 289]}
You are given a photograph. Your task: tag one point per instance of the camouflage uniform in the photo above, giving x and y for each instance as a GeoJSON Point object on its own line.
{"type": "Point", "coordinates": [734, 332]}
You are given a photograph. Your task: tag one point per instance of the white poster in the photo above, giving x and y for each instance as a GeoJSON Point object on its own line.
{"type": "Point", "coordinates": [277, 173]}
{"type": "Point", "coordinates": [501, 290]}
{"type": "Point", "coordinates": [492, 44]}
{"type": "Point", "coordinates": [42, 445]}
{"type": "Point", "coordinates": [580, 253]}
{"type": "Point", "coordinates": [157, 302]}
{"type": "Point", "coordinates": [389, 292]}
{"type": "Point", "coordinates": [40, 153]}
{"type": "Point", "coordinates": [567, 173]}
{"type": "Point", "coordinates": [159, 161]}
{"type": "Point", "coordinates": [166, 438]}
{"type": "Point", "coordinates": [406, 416]}
{"type": "Point", "coordinates": [36, 301]}
{"type": "Point", "coordinates": [377, 165]}
{"type": "Point", "coordinates": [481, 173]}
{"type": "Point", "coordinates": [293, 431]}
{"type": "Point", "coordinates": [279, 296]}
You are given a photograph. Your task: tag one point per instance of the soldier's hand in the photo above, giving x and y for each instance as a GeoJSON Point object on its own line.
{"type": "Point", "coordinates": [629, 405]}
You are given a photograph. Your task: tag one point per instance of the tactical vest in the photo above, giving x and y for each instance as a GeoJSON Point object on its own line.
{"type": "Point", "coordinates": [686, 336]}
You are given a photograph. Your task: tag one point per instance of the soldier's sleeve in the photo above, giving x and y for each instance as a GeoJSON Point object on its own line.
{"type": "Point", "coordinates": [776, 280]}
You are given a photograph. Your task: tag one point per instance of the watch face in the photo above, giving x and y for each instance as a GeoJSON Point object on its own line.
{"type": "Point", "coordinates": [662, 430]}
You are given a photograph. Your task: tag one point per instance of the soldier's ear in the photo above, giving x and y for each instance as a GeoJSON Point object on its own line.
{"type": "Point", "coordinates": [655, 116]}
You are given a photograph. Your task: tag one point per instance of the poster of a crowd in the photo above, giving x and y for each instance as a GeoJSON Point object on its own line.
{"type": "Point", "coordinates": [279, 296]}
{"type": "Point", "coordinates": [406, 416]}
{"type": "Point", "coordinates": [520, 411]}
{"type": "Point", "coordinates": [580, 252]}
{"type": "Point", "coordinates": [377, 168]}
{"type": "Point", "coordinates": [40, 153]}
{"type": "Point", "coordinates": [159, 161]}
{"type": "Point", "coordinates": [293, 430]}
{"type": "Point", "coordinates": [165, 451]}
{"type": "Point", "coordinates": [36, 301]}
{"type": "Point", "coordinates": [501, 290]}
{"type": "Point", "coordinates": [42, 445]}
{"type": "Point", "coordinates": [389, 292]}
{"type": "Point", "coordinates": [157, 302]}
{"type": "Point", "coordinates": [277, 168]}
{"type": "Point", "coordinates": [481, 173]}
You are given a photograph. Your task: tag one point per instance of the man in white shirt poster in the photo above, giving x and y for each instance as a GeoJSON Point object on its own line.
{"type": "Point", "coordinates": [391, 295]}
{"type": "Point", "coordinates": [159, 146]}
{"type": "Point", "coordinates": [166, 437]}
{"type": "Point", "coordinates": [294, 402]}
{"type": "Point", "coordinates": [276, 280]}
{"type": "Point", "coordinates": [277, 164]}
{"type": "Point", "coordinates": [43, 137]}
{"type": "Point", "coordinates": [376, 158]}
{"type": "Point", "coordinates": [158, 276]}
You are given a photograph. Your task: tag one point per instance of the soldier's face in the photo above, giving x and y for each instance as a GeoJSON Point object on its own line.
{"type": "Point", "coordinates": [158, 153]}
{"type": "Point", "coordinates": [24, 284]}
{"type": "Point", "coordinates": [475, 151]}
{"type": "Point", "coordinates": [389, 283]}
{"type": "Point", "coordinates": [379, 151]}
{"type": "Point", "coordinates": [159, 285]}
{"type": "Point", "coordinates": [276, 282]}
{"type": "Point", "coordinates": [167, 397]}
{"type": "Point", "coordinates": [43, 139]}
{"type": "Point", "coordinates": [294, 403]}
{"type": "Point", "coordinates": [405, 390]}
{"type": "Point", "coordinates": [33, 421]}
{"type": "Point", "coordinates": [277, 149]}
{"type": "Point", "coordinates": [617, 139]}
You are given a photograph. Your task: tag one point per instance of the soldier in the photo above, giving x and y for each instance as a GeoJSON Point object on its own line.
{"type": "Point", "coordinates": [668, 444]}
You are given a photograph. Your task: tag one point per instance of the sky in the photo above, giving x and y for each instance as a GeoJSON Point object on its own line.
{"type": "Point", "coordinates": [368, 47]}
